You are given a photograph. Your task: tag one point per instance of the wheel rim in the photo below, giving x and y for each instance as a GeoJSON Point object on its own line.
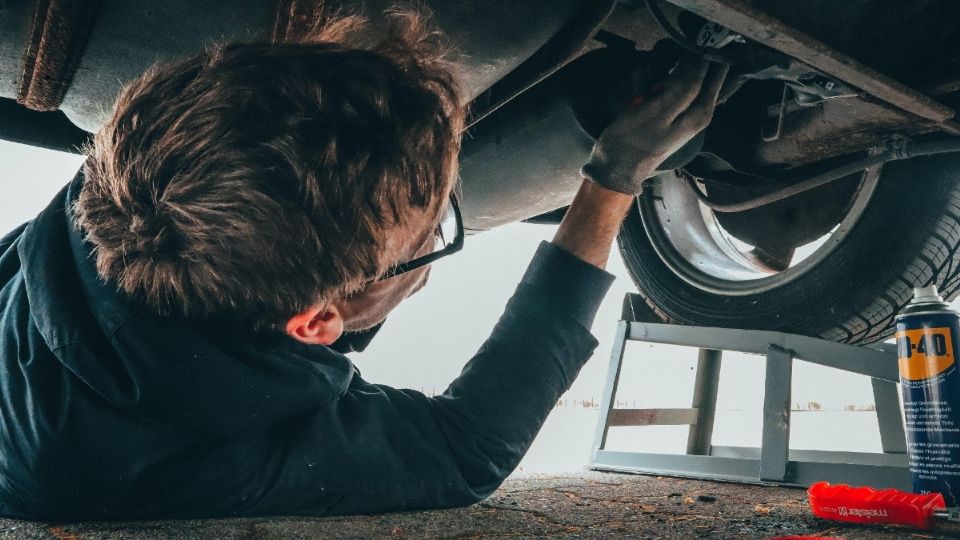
{"type": "Point", "coordinates": [688, 238]}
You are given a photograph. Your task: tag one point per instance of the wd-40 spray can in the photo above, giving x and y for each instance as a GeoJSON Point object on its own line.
{"type": "Point", "coordinates": [927, 332]}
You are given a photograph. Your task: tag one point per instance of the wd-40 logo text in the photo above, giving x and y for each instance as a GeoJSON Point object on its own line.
{"type": "Point", "coordinates": [924, 352]}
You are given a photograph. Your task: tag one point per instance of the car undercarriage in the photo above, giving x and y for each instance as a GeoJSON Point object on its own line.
{"type": "Point", "coordinates": [826, 188]}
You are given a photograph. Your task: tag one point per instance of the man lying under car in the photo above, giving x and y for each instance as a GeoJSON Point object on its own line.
{"type": "Point", "coordinates": [170, 323]}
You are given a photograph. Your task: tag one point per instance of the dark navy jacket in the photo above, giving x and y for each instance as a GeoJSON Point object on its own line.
{"type": "Point", "coordinates": [108, 411]}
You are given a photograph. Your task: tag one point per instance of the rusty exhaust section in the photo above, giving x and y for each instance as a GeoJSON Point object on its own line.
{"type": "Point", "coordinates": [58, 37]}
{"type": "Point", "coordinates": [743, 18]}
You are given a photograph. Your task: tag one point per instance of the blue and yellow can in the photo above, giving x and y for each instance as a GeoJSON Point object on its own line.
{"type": "Point", "coordinates": [927, 331]}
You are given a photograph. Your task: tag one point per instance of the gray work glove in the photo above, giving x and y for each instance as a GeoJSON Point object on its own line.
{"type": "Point", "coordinates": [631, 149]}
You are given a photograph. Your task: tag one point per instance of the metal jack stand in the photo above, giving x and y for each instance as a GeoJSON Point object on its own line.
{"type": "Point", "coordinates": [774, 462]}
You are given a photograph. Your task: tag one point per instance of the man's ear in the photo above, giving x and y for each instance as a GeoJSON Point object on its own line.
{"type": "Point", "coordinates": [316, 325]}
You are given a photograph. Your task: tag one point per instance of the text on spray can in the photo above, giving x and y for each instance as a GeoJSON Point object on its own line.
{"type": "Point", "coordinates": [926, 335]}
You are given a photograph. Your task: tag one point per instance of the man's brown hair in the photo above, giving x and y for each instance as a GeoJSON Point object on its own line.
{"type": "Point", "coordinates": [248, 182]}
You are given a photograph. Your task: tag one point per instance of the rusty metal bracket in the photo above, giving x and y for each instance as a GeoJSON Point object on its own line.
{"type": "Point", "coordinates": [742, 17]}
{"type": "Point", "coordinates": [58, 37]}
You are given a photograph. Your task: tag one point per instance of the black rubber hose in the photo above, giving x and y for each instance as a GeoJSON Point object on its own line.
{"type": "Point", "coordinates": [901, 151]}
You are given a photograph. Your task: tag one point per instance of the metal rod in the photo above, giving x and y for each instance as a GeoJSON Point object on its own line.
{"type": "Point", "coordinates": [776, 415]}
{"type": "Point", "coordinates": [705, 389]}
{"type": "Point", "coordinates": [874, 360]}
{"type": "Point", "coordinates": [903, 151]}
{"type": "Point", "coordinates": [651, 417]}
{"type": "Point", "coordinates": [893, 440]}
{"type": "Point", "coordinates": [743, 18]}
{"type": "Point", "coordinates": [610, 388]}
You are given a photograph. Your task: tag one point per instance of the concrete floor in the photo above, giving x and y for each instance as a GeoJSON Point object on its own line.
{"type": "Point", "coordinates": [587, 505]}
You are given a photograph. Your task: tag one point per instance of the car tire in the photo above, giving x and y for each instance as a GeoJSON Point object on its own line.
{"type": "Point", "coordinates": [907, 235]}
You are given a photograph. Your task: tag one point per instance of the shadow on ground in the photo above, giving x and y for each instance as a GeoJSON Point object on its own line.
{"type": "Point", "coordinates": [588, 505]}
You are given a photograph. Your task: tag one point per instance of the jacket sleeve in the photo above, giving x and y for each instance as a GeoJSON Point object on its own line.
{"type": "Point", "coordinates": [8, 239]}
{"type": "Point", "coordinates": [377, 449]}
{"type": "Point", "coordinates": [9, 259]}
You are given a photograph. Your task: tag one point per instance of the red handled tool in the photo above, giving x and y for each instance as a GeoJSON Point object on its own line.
{"type": "Point", "coordinates": [878, 506]}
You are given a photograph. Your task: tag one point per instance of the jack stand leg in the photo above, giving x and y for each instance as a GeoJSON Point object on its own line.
{"type": "Point", "coordinates": [887, 402]}
{"type": "Point", "coordinates": [700, 437]}
{"type": "Point", "coordinates": [776, 415]}
{"type": "Point", "coordinates": [607, 401]}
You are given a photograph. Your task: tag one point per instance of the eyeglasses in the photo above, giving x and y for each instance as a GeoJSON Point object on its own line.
{"type": "Point", "coordinates": [448, 239]}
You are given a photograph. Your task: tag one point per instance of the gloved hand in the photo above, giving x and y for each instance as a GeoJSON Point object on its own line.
{"type": "Point", "coordinates": [635, 144]}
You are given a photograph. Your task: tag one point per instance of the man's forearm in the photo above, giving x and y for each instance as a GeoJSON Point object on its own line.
{"type": "Point", "coordinates": [592, 223]}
